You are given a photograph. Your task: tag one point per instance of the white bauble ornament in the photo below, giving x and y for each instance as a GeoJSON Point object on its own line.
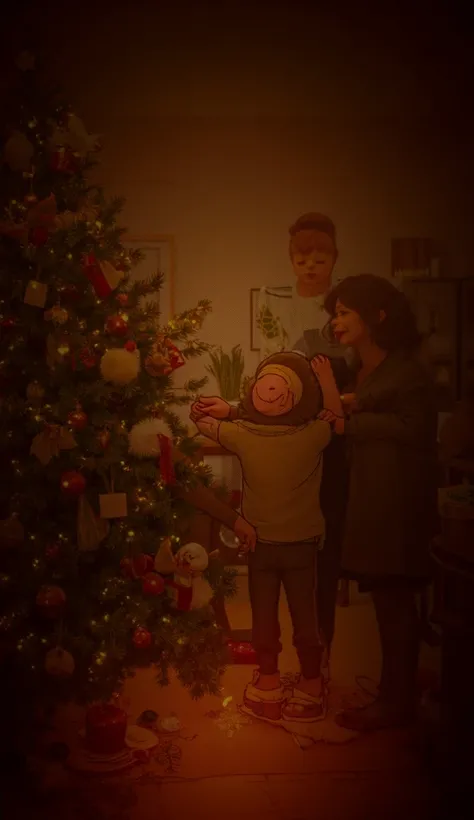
{"type": "Point", "coordinates": [120, 366]}
{"type": "Point", "coordinates": [59, 663]}
{"type": "Point", "coordinates": [143, 437]}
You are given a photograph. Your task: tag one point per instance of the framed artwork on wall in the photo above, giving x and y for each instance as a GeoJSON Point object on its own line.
{"type": "Point", "coordinates": [159, 256]}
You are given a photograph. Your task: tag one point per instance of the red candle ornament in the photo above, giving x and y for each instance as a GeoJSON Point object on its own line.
{"type": "Point", "coordinates": [142, 638]}
{"type": "Point", "coordinates": [166, 459]}
{"type": "Point", "coordinates": [153, 584]}
{"type": "Point", "coordinates": [50, 601]}
{"type": "Point", "coordinates": [106, 728]}
{"type": "Point", "coordinates": [73, 483]}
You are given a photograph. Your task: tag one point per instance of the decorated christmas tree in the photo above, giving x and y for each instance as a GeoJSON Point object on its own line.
{"type": "Point", "coordinates": [96, 465]}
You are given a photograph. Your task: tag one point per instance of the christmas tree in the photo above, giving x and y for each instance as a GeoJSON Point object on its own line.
{"type": "Point", "coordinates": [96, 464]}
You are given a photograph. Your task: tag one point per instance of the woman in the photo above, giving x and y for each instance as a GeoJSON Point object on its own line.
{"type": "Point", "coordinates": [391, 511]}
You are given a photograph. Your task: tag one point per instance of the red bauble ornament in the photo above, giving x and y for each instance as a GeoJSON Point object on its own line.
{"type": "Point", "coordinates": [130, 346]}
{"type": "Point", "coordinates": [106, 727]}
{"type": "Point", "coordinates": [138, 566]}
{"type": "Point", "coordinates": [77, 419]}
{"type": "Point", "coordinates": [153, 584]}
{"type": "Point", "coordinates": [51, 552]}
{"type": "Point", "coordinates": [50, 601]}
{"type": "Point", "coordinates": [122, 298]}
{"type": "Point", "coordinates": [8, 323]}
{"type": "Point", "coordinates": [88, 358]}
{"type": "Point", "coordinates": [142, 638]}
{"type": "Point", "coordinates": [73, 483]}
{"type": "Point", "coordinates": [117, 325]}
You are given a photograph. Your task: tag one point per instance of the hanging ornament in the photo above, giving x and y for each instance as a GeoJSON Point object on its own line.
{"type": "Point", "coordinates": [117, 325]}
{"type": "Point", "coordinates": [35, 294]}
{"type": "Point", "coordinates": [8, 323]}
{"type": "Point", "coordinates": [102, 275]}
{"type": "Point", "coordinates": [122, 298]}
{"type": "Point", "coordinates": [57, 314]}
{"type": "Point", "coordinates": [59, 663]}
{"type": "Point", "coordinates": [130, 346]}
{"type": "Point", "coordinates": [119, 366]}
{"type": "Point", "coordinates": [73, 483]}
{"type": "Point", "coordinates": [166, 460]}
{"type": "Point", "coordinates": [88, 358]}
{"type": "Point", "coordinates": [49, 443]}
{"type": "Point", "coordinates": [141, 638]}
{"type": "Point", "coordinates": [30, 199]}
{"type": "Point", "coordinates": [164, 358]}
{"type": "Point", "coordinates": [50, 601]}
{"type": "Point", "coordinates": [143, 437]}
{"type": "Point", "coordinates": [137, 567]}
{"type": "Point", "coordinates": [77, 420]}
{"type": "Point", "coordinates": [35, 392]}
{"type": "Point", "coordinates": [18, 152]}
{"type": "Point", "coordinates": [153, 584]}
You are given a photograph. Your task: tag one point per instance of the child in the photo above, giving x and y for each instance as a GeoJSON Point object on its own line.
{"type": "Point", "coordinates": [279, 442]}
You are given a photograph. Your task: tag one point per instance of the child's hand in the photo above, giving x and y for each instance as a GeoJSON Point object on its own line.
{"type": "Point", "coordinates": [212, 406]}
{"type": "Point", "coordinates": [336, 422]}
{"type": "Point", "coordinates": [321, 367]}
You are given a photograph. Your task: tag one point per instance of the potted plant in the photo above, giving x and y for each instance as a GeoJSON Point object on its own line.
{"type": "Point", "coordinates": [227, 370]}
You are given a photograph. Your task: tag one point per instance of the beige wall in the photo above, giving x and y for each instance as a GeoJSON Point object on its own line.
{"type": "Point", "coordinates": [222, 139]}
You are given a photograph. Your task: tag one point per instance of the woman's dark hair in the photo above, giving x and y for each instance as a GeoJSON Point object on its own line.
{"type": "Point", "coordinates": [367, 295]}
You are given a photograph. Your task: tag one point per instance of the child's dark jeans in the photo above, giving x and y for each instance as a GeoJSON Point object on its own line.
{"type": "Point", "coordinates": [294, 566]}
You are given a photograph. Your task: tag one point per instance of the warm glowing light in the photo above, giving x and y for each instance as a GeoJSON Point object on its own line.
{"type": "Point", "coordinates": [227, 700]}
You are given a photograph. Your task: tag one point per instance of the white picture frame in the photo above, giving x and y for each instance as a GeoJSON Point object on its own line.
{"type": "Point", "coordinates": [159, 256]}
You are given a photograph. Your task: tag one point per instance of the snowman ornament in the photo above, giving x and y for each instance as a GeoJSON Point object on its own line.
{"type": "Point", "coordinates": [183, 572]}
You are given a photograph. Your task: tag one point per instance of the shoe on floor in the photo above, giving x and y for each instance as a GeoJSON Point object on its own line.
{"type": "Point", "coordinates": [265, 704]}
